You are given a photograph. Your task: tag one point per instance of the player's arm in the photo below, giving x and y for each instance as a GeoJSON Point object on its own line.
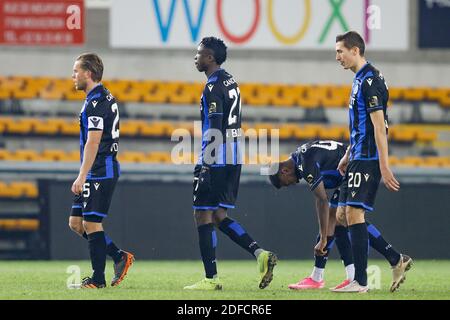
{"type": "Point", "coordinates": [343, 163]}
{"type": "Point", "coordinates": [322, 209]}
{"type": "Point", "coordinates": [95, 131]}
{"type": "Point", "coordinates": [377, 119]}
{"type": "Point", "coordinates": [215, 116]}
{"type": "Point", "coordinates": [373, 89]}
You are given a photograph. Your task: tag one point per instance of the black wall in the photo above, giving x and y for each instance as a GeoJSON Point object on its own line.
{"type": "Point", "coordinates": [154, 220]}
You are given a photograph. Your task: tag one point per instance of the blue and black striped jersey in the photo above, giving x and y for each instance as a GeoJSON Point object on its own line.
{"type": "Point", "coordinates": [100, 112]}
{"type": "Point", "coordinates": [369, 94]}
{"type": "Point", "coordinates": [220, 109]}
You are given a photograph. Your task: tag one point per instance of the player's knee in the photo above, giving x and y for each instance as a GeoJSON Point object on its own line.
{"type": "Point", "coordinates": [219, 215]}
{"type": "Point", "coordinates": [355, 215]}
{"type": "Point", "coordinates": [340, 216]}
{"type": "Point", "coordinates": [76, 226]}
{"type": "Point", "coordinates": [91, 227]}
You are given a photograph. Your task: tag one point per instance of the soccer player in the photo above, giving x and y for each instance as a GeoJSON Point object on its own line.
{"type": "Point", "coordinates": [99, 172]}
{"type": "Point", "coordinates": [317, 162]}
{"type": "Point", "coordinates": [366, 161]}
{"type": "Point", "coordinates": [217, 174]}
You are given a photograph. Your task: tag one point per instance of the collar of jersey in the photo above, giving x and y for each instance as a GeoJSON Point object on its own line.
{"type": "Point", "coordinates": [213, 77]}
{"type": "Point", "coordinates": [91, 93]}
{"type": "Point", "coordinates": [362, 69]}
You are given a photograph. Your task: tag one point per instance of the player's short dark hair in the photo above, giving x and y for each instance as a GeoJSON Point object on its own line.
{"type": "Point", "coordinates": [352, 39]}
{"type": "Point", "coordinates": [92, 63]}
{"type": "Point", "coordinates": [217, 46]}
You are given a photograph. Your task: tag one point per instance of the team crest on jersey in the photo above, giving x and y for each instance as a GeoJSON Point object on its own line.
{"type": "Point", "coordinates": [373, 102]}
{"type": "Point", "coordinates": [212, 107]}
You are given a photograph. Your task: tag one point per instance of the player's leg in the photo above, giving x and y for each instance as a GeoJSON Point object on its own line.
{"type": "Point", "coordinates": [400, 263]}
{"type": "Point", "coordinates": [97, 252]}
{"type": "Point", "coordinates": [316, 279]}
{"type": "Point", "coordinates": [266, 260]}
{"type": "Point", "coordinates": [205, 201]}
{"type": "Point", "coordinates": [235, 232]}
{"type": "Point", "coordinates": [76, 225]}
{"type": "Point", "coordinates": [361, 185]}
{"type": "Point", "coordinates": [344, 246]}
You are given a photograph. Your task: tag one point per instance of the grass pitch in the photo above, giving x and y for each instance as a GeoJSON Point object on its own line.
{"type": "Point", "coordinates": [164, 280]}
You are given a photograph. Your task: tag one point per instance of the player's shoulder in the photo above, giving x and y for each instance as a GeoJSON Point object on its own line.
{"type": "Point", "coordinates": [373, 77]}
{"type": "Point", "coordinates": [103, 99]}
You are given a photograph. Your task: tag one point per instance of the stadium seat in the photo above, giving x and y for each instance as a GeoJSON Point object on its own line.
{"type": "Point", "coordinates": [310, 98]}
{"type": "Point", "coordinates": [19, 224]}
{"type": "Point", "coordinates": [132, 156]}
{"type": "Point", "coordinates": [158, 157]}
{"type": "Point", "coordinates": [70, 128]}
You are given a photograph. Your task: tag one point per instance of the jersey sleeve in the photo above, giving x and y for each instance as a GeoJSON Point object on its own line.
{"type": "Point", "coordinates": [373, 91]}
{"type": "Point", "coordinates": [214, 102]}
{"type": "Point", "coordinates": [311, 171]}
{"type": "Point", "coordinates": [96, 114]}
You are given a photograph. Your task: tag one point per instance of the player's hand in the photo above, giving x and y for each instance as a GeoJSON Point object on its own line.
{"type": "Point", "coordinates": [77, 186]}
{"type": "Point", "coordinates": [319, 249]}
{"type": "Point", "coordinates": [389, 180]}
{"type": "Point", "coordinates": [342, 167]}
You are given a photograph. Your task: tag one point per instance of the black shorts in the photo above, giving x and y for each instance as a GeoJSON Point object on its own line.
{"type": "Point", "coordinates": [334, 199]}
{"type": "Point", "coordinates": [216, 187]}
{"type": "Point", "coordinates": [93, 203]}
{"type": "Point", "coordinates": [360, 185]}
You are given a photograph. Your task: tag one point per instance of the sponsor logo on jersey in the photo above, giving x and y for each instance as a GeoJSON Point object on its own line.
{"type": "Point", "coordinates": [369, 81]}
{"type": "Point", "coordinates": [353, 194]}
{"type": "Point", "coordinates": [212, 107]}
{"type": "Point", "coordinates": [366, 176]}
{"type": "Point", "coordinates": [94, 103]}
{"type": "Point", "coordinates": [210, 87]}
{"type": "Point", "coordinates": [96, 185]}
{"type": "Point", "coordinates": [373, 102]}
{"type": "Point", "coordinates": [310, 178]}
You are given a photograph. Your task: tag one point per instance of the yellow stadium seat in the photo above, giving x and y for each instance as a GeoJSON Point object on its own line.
{"type": "Point", "coordinates": [19, 224]}
{"type": "Point", "coordinates": [310, 98]}
{"type": "Point", "coordinates": [426, 136]}
{"type": "Point", "coordinates": [402, 134]}
{"type": "Point", "coordinates": [154, 129]}
{"type": "Point", "coordinates": [132, 156]}
{"type": "Point", "coordinates": [74, 95]}
{"type": "Point", "coordinates": [27, 155]}
{"type": "Point", "coordinates": [436, 161]}
{"type": "Point", "coordinates": [331, 96]}
{"type": "Point", "coordinates": [415, 94]}
{"type": "Point", "coordinates": [72, 156]}
{"type": "Point", "coordinates": [131, 127]}
{"type": "Point", "coordinates": [333, 133]}
{"type": "Point", "coordinates": [307, 132]}
{"type": "Point", "coordinates": [287, 131]}
{"type": "Point", "coordinates": [49, 126]}
{"type": "Point", "coordinates": [27, 189]}
{"type": "Point", "coordinates": [287, 96]}
{"type": "Point", "coordinates": [70, 128]}
{"type": "Point", "coordinates": [54, 155]}
{"type": "Point", "coordinates": [186, 93]}
{"type": "Point", "coordinates": [411, 161]}
{"type": "Point", "coordinates": [396, 93]}
{"type": "Point", "coordinates": [159, 157]}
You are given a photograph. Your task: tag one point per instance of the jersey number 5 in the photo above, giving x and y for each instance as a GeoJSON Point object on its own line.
{"type": "Point", "coordinates": [115, 129]}
{"type": "Point", "coordinates": [236, 96]}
